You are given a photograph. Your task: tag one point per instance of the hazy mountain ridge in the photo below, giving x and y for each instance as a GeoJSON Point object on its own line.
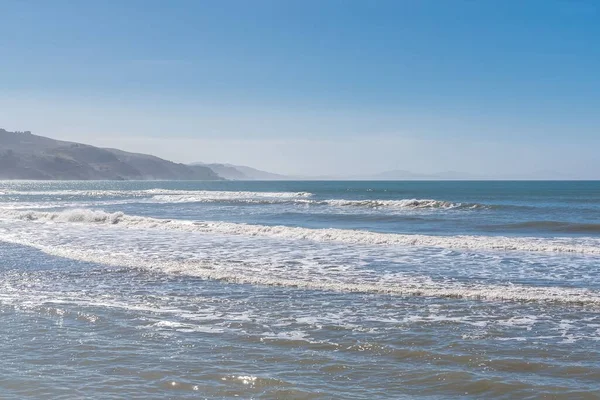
{"type": "Point", "coordinates": [241, 172]}
{"type": "Point", "coordinates": [27, 156]}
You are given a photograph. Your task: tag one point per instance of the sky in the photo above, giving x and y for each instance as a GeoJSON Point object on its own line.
{"type": "Point", "coordinates": [327, 87]}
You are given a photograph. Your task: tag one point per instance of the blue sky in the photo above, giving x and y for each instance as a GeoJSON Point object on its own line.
{"type": "Point", "coordinates": [313, 87]}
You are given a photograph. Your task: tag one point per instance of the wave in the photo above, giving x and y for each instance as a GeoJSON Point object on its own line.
{"type": "Point", "coordinates": [159, 192]}
{"type": "Point", "coordinates": [403, 203]}
{"type": "Point", "coordinates": [409, 288]}
{"type": "Point", "coordinates": [249, 197]}
{"type": "Point", "coordinates": [231, 197]}
{"type": "Point", "coordinates": [358, 237]}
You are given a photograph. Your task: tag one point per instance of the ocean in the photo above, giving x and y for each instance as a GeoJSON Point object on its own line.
{"type": "Point", "coordinates": [299, 290]}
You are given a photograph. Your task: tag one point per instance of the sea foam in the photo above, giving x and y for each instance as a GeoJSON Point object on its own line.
{"type": "Point", "coordinates": [238, 274]}
{"type": "Point", "coordinates": [249, 197]}
{"type": "Point", "coordinates": [158, 192]}
{"type": "Point", "coordinates": [211, 197]}
{"type": "Point", "coordinates": [357, 237]}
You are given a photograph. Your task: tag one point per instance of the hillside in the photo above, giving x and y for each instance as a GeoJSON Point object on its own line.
{"type": "Point", "coordinates": [27, 156]}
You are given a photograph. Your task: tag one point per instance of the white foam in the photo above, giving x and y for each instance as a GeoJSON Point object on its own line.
{"type": "Point", "coordinates": [160, 192]}
{"type": "Point", "coordinates": [211, 197]}
{"type": "Point", "coordinates": [234, 197]}
{"type": "Point", "coordinates": [74, 216]}
{"type": "Point", "coordinates": [402, 203]}
{"type": "Point", "coordinates": [498, 243]}
{"type": "Point", "coordinates": [199, 195]}
{"type": "Point", "coordinates": [240, 274]}
{"type": "Point", "coordinates": [526, 321]}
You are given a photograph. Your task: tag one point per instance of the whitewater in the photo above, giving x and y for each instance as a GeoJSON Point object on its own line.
{"type": "Point", "coordinates": [420, 288]}
{"type": "Point", "coordinates": [588, 245]}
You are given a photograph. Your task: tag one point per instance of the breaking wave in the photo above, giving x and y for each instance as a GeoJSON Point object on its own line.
{"type": "Point", "coordinates": [359, 237]}
{"type": "Point", "coordinates": [403, 203]}
{"type": "Point", "coordinates": [247, 197]}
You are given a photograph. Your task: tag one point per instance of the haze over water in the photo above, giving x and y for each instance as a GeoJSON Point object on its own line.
{"type": "Point", "coordinates": [300, 290]}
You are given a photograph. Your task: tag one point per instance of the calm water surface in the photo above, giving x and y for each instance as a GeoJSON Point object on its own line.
{"type": "Point", "coordinates": [300, 290]}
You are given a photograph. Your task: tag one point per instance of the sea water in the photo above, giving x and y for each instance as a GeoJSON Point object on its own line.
{"type": "Point", "coordinates": [299, 290]}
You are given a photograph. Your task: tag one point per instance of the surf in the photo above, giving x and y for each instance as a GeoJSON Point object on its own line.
{"type": "Point", "coordinates": [239, 274]}
{"type": "Point", "coordinates": [348, 236]}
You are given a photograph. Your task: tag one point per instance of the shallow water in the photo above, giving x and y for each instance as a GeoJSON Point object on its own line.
{"type": "Point", "coordinates": [300, 289]}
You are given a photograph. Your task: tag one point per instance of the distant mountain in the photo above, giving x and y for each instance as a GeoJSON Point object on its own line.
{"type": "Point", "coordinates": [27, 156]}
{"type": "Point", "coordinates": [242, 173]}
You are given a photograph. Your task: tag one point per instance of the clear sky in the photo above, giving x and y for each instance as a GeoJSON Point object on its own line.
{"type": "Point", "coordinates": [313, 87]}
